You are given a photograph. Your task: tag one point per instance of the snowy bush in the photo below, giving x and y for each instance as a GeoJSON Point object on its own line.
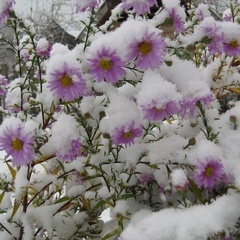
{"type": "Point", "coordinates": [131, 120]}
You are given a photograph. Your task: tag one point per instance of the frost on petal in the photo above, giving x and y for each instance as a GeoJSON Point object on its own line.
{"type": "Point", "coordinates": [157, 97]}
{"type": "Point", "coordinates": [139, 6]}
{"type": "Point", "coordinates": [65, 138]}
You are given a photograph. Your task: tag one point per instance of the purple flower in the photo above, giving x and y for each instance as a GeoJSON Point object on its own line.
{"type": "Point", "coordinates": [213, 35]}
{"type": "Point", "coordinates": [66, 81]}
{"type": "Point", "coordinates": [126, 134]}
{"type": "Point", "coordinates": [5, 7]}
{"type": "Point", "coordinates": [145, 178]}
{"type": "Point", "coordinates": [18, 143]}
{"type": "Point", "coordinates": [178, 23]}
{"type": "Point", "coordinates": [43, 48]}
{"type": "Point", "coordinates": [106, 65]}
{"type": "Point", "coordinates": [188, 105]}
{"type": "Point", "coordinates": [153, 112]}
{"type": "Point", "coordinates": [232, 47]}
{"type": "Point", "coordinates": [3, 84]}
{"type": "Point", "coordinates": [140, 6]}
{"type": "Point", "coordinates": [228, 17]}
{"type": "Point", "coordinates": [208, 173]}
{"type": "Point", "coordinates": [148, 50]}
{"type": "Point", "coordinates": [69, 153]}
{"type": "Point", "coordinates": [84, 5]}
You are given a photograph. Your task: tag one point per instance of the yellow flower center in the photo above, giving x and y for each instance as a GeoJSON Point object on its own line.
{"type": "Point", "coordinates": [233, 43]}
{"type": "Point", "coordinates": [17, 144]}
{"type": "Point", "coordinates": [157, 109]}
{"type": "Point", "coordinates": [127, 135]}
{"type": "Point", "coordinates": [66, 81]}
{"type": "Point", "coordinates": [208, 172]}
{"type": "Point", "coordinates": [145, 48]}
{"type": "Point", "coordinates": [105, 64]}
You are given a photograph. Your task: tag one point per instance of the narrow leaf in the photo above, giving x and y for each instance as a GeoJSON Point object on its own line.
{"type": "Point", "coordinates": [196, 190]}
{"type": "Point", "coordinates": [111, 234]}
{"type": "Point", "coordinates": [1, 196]}
{"type": "Point", "coordinates": [15, 208]}
{"type": "Point", "coordinates": [63, 199]}
{"type": "Point", "coordinates": [12, 171]}
{"type": "Point", "coordinates": [235, 90]}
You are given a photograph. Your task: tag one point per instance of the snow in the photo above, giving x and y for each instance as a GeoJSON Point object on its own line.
{"type": "Point", "coordinates": [197, 222]}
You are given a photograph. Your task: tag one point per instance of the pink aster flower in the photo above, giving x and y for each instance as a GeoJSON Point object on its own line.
{"type": "Point", "coordinates": [140, 6]}
{"type": "Point", "coordinates": [178, 23]}
{"type": "Point", "coordinates": [106, 65]}
{"type": "Point", "coordinates": [5, 7]}
{"type": "Point", "coordinates": [148, 50]}
{"type": "Point", "coordinates": [66, 81]}
{"type": "Point", "coordinates": [70, 152]}
{"type": "Point", "coordinates": [208, 173]}
{"type": "Point", "coordinates": [43, 48]}
{"type": "Point", "coordinates": [18, 144]}
{"type": "Point", "coordinates": [126, 134]}
{"type": "Point", "coordinates": [145, 178]}
{"type": "Point", "coordinates": [228, 17]}
{"type": "Point", "coordinates": [231, 41]}
{"type": "Point", "coordinates": [154, 112]}
{"type": "Point", "coordinates": [84, 5]}
{"type": "Point", "coordinates": [232, 47]}
{"type": "Point", "coordinates": [3, 85]}
{"type": "Point", "coordinates": [188, 105]}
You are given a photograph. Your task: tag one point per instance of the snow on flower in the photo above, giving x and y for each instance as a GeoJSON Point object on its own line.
{"type": "Point", "coordinates": [179, 179]}
{"type": "Point", "coordinates": [65, 138]}
{"type": "Point", "coordinates": [3, 85]}
{"type": "Point", "coordinates": [231, 41]}
{"type": "Point", "coordinates": [84, 5]}
{"type": "Point", "coordinates": [145, 178]}
{"type": "Point", "coordinates": [64, 78]}
{"type": "Point", "coordinates": [5, 7]}
{"type": "Point", "coordinates": [157, 98]}
{"type": "Point", "coordinates": [140, 6]}
{"type": "Point", "coordinates": [123, 121]}
{"type": "Point", "coordinates": [176, 13]}
{"type": "Point", "coordinates": [106, 65]}
{"type": "Point", "coordinates": [17, 142]}
{"type": "Point", "coordinates": [202, 12]}
{"type": "Point", "coordinates": [227, 15]}
{"type": "Point", "coordinates": [194, 90]}
{"type": "Point", "coordinates": [17, 96]}
{"type": "Point", "coordinates": [147, 50]}
{"type": "Point", "coordinates": [43, 48]}
{"type": "Point", "coordinates": [211, 33]}
{"type": "Point", "coordinates": [208, 172]}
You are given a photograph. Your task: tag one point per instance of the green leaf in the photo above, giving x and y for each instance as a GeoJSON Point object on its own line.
{"type": "Point", "coordinates": [111, 234]}
{"type": "Point", "coordinates": [127, 195]}
{"type": "Point", "coordinates": [1, 196]}
{"type": "Point", "coordinates": [15, 208]}
{"type": "Point", "coordinates": [12, 171]}
{"type": "Point", "coordinates": [196, 190]}
{"type": "Point", "coordinates": [99, 204]}
{"type": "Point", "coordinates": [63, 199]}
